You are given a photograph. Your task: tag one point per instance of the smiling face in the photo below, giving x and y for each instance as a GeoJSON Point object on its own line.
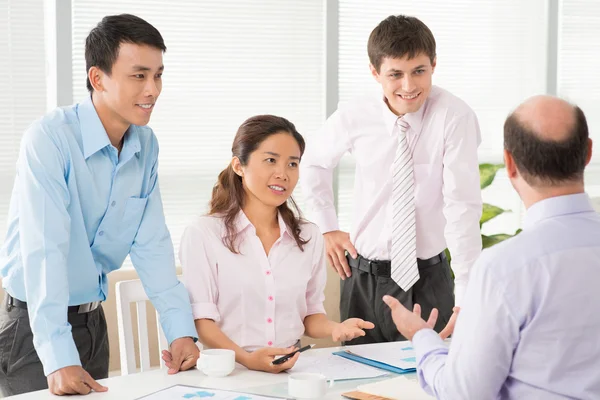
{"type": "Point", "coordinates": [271, 173]}
{"type": "Point", "coordinates": [406, 82]}
{"type": "Point", "coordinates": [128, 93]}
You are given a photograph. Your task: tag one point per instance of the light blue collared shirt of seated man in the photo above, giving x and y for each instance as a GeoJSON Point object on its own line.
{"type": "Point", "coordinates": [529, 327]}
{"type": "Point", "coordinates": [77, 210]}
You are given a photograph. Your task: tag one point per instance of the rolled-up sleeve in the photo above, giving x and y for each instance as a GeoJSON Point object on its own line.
{"type": "Point", "coordinates": [462, 197]}
{"type": "Point", "coordinates": [200, 274]}
{"type": "Point", "coordinates": [315, 293]}
{"type": "Point", "coordinates": [153, 257]}
{"type": "Point", "coordinates": [44, 226]}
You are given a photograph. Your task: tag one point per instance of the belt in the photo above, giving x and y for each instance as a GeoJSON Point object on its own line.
{"type": "Point", "coordinates": [384, 267]}
{"type": "Point", "coordinates": [80, 309]}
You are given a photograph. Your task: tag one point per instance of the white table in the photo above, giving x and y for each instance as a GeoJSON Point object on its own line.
{"type": "Point", "coordinates": [137, 385]}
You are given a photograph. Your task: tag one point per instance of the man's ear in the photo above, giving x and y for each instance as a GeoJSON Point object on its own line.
{"type": "Point", "coordinates": [95, 76]}
{"type": "Point", "coordinates": [509, 164]}
{"type": "Point", "coordinates": [589, 155]}
{"type": "Point", "coordinates": [374, 72]}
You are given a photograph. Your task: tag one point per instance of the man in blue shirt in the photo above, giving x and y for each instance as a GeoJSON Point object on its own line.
{"type": "Point", "coordinates": [529, 324]}
{"type": "Point", "coordinates": [86, 196]}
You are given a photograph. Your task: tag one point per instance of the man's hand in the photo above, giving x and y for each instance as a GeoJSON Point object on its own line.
{"type": "Point", "coordinates": [261, 359]}
{"type": "Point", "coordinates": [73, 380]}
{"type": "Point", "coordinates": [350, 329]}
{"type": "Point", "coordinates": [408, 323]}
{"type": "Point", "coordinates": [182, 356]}
{"type": "Point", "coordinates": [336, 244]}
{"type": "Point", "coordinates": [448, 329]}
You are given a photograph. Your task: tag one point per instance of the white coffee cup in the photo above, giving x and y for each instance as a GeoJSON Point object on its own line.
{"type": "Point", "coordinates": [306, 385]}
{"type": "Point", "coordinates": [216, 362]}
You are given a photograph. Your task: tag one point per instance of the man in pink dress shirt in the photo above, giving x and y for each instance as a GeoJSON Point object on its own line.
{"type": "Point", "coordinates": [416, 185]}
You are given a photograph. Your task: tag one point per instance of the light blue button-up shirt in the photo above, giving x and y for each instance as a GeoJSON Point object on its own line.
{"type": "Point", "coordinates": [77, 210]}
{"type": "Point", "coordinates": [529, 327]}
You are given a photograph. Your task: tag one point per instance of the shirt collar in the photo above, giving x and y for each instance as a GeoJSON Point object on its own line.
{"type": "Point", "coordinates": [131, 143]}
{"type": "Point", "coordinates": [414, 120]}
{"type": "Point", "coordinates": [556, 206]}
{"type": "Point", "coordinates": [94, 136]}
{"type": "Point", "coordinates": [242, 223]}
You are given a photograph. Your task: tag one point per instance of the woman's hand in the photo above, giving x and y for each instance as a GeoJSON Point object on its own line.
{"type": "Point", "coordinates": [262, 359]}
{"type": "Point", "coordinates": [350, 329]}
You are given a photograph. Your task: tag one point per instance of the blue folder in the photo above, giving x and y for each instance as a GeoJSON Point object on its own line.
{"type": "Point", "coordinates": [377, 364]}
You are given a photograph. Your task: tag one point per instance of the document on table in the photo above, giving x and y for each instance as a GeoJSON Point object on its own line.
{"type": "Point", "coordinates": [397, 354]}
{"type": "Point", "coordinates": [193, 393]}
{"type": "Point", "coordinates": [399, 388]}
{"type": "Point", "coordinates": [333, 367]}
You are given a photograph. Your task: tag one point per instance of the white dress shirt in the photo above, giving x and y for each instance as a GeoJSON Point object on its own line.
{"type": "Point", "coordinates": [443, 136]}
{"type": "Point", "coordinates": [529, 327]}
{"type": "Point", "coordinates": [257, 300]}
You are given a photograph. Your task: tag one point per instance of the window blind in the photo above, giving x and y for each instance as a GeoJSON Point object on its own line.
{"type": "Point", "coordinates": [225, 61]}
{"type": "Point", "coordinates": [22, 85]}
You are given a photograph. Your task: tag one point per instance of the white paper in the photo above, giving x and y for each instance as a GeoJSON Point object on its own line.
{"type": "Point", "coordinates": [398, 388]}
{"type": "Point", "coordinates": [397, 354]}
{"type": "Point", "coordinates": [334, 367]}
{"type": "Point", "coordinates": [196, 393]}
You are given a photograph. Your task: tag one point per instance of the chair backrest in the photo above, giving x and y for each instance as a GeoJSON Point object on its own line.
{"type": "Point", "coordinates": [128, 292]}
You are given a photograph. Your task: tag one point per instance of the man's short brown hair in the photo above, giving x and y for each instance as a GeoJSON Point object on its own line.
{"type": "Point", "coordinates": [398, 36]}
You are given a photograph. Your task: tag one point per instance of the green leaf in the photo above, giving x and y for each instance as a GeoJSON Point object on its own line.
{"type": "Point", "coordinates": [490, 212]}
{"type": "Point", "coordinates": [487, 173]}
{"type": "Point", "coordinates": [448, 256]}
{"type": "Point", "coordinates": [489, 241]}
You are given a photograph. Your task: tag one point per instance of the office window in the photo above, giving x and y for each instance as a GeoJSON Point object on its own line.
{"type": "Point", "coordinates": [22, 85]}
{"type": "Point", "coordinates": [578, 80]}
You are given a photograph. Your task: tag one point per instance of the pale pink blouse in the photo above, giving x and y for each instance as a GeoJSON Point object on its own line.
{"type": "Point", "coordinates": [256, 300]}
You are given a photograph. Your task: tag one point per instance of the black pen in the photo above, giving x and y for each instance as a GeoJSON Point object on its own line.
{"type": "Point", "coordinates": [283, 359]}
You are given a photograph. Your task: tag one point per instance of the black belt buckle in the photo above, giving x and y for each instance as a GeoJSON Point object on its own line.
{"type": "Point", "coordinates": [9, 302]}
{"type": "Point", "coordinates": [382, 269]}
{"type": "Point", "coordinates": [371, 268]}
{"type": "Point", "coordinates": [375, 268]}
{"type": "Point", "coordinates": [378, 268]}
{"type": "Point", "coordinates": [88, 307]}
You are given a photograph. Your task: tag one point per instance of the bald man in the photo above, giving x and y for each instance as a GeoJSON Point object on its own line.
{"type": "Point", "coordinates": [529, 327]}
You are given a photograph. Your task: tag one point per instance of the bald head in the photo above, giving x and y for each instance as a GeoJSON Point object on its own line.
{"type": "Point", "coordinates": [548, 139]}
{"type": "Point", "coordinates": [548, 117]}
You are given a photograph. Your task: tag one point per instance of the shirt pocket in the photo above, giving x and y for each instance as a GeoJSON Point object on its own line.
{"type": "Point", "coordinates": [132, 217]}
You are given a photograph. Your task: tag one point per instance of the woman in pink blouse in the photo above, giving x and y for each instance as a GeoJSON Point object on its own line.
{"type": "Point", "coordinates": [255, 272]}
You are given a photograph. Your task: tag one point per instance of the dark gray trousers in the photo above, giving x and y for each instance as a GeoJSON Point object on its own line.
{"type": "Point", "coordinates": [20, 368]}
{"type": "Point", "coordinates": [361, 297]}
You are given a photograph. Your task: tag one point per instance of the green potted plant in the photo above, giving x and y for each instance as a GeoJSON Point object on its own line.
{"type": "Point", "coordinates": [487, 173]}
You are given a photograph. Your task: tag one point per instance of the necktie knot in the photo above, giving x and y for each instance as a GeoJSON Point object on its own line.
{"type": "Point", "coordinates": [402, 124]}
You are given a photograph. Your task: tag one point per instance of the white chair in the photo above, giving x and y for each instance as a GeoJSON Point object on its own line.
{"type": "Point", "coordinates": [128, 292]}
